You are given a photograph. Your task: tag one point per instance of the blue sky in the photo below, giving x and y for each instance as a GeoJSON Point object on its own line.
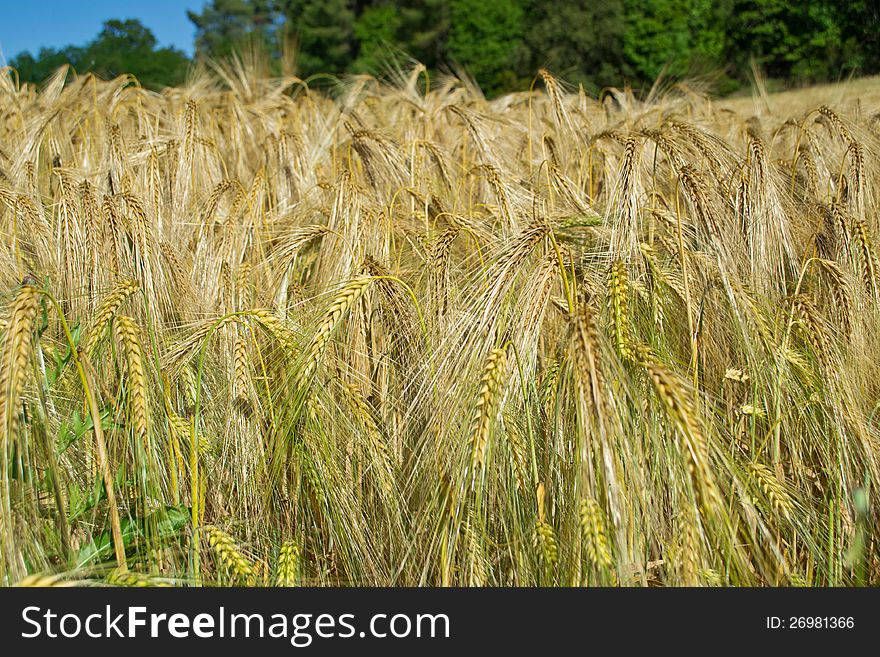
{"type": "Point", "coordinates": [32, 24]}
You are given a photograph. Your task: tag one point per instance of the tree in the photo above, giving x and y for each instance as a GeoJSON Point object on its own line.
{"type": "Point", "coordinates": [486, 37]}
{"type": "Point", "coordinates": [582, 42]}
{"type": "Point", "coordinates": [129, 47]}
{"type": "Point", "coordinates": [47, 61]}
{"type": "Point", "coordinates": [424, 30]}
{"type": "Point", "coordinates": [673, 36]}
{"type": "Point", "coordinates": [121, 47]}
{"type": "Point", "coordinates": [324, 31]}
{"type": "Point", "coordinates": [376, 30]}
{"type": "Point", "coordinates": [799, 40]}
{"type": "Point", "coordinates": [385, 30]}
{"type": "Point", "coordinates": [224, 26]}
{"type": "Point", "coordinates": [859, 22]}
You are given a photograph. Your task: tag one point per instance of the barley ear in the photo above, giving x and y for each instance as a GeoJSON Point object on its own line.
{"type": "Point", "coordinates": [487, 406]}
{"type": "Point", "coordinates": [287, 565]}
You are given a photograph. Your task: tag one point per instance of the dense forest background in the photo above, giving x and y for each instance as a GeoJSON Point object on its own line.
{"type": "Point", "coordinates": [501, 43]}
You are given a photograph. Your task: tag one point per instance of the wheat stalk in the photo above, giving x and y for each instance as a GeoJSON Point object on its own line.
{"type": "Point", "coordinates": [487, 405]}
{"type": "Point", "coordinates": [340, 305]}
{"type": "Point", "coordinates": [126, 333]}
{"type": "Point", "coordinates": [617, 294]}
{"type": "Point", "coordinates": [840, 294]}
{"type": "Point", "coordinates": [595, 541]}
{"type": "Point", "coordinates": [546, 545]}
{"type": "Point", "coordinates": [127, 578]}
{"type": "Point", "coordinates": [774, 489]}
{"type": "Point", "coordinates": [241, 367]}
{"type": "Point", "coordinates": [17, 350]}
{"type": "Point", "coordinates": [867, 256]}
{"type": "Point", "coordinates": [111, 303]}
{"type": "Point", "coordinates": [229, 555]}
{"type": "Point", "coordinates": [814, 329]}
{"type": "Point", "coordinates": [679, 409]}
{"type": "Point", "coordinates": [287, 565]}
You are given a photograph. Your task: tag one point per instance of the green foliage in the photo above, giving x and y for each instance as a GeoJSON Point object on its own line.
{"type": "Point", "coordinates": [226, 25]}
{"type": "Point", "coordinates": [47, 61]}
{"type": "Point", "coordinates": [672, 36]}
{"type": "Point", "coordinates": [486, 37]}
{"type": "Point", "coordinates": [376, 30]}
{"type": "Point", "coordinates": [583, 42]}
{"type": "Point", "coordinates": [502, 43]}
{"type": "Point", "coordinates": [859, 22]}
{"type": "Point", "coordinates": [788, 40]}
{"type": "Point", "coordinates": [121, 47]}
{"type": "Point", "coordinates": [424, 30]}
{"type": "Point", "coordinates": [129, 47]}
{"type": "Point", "coordinates": [324, 31]}
{"type": "Point", "coordinates": [385, 31]}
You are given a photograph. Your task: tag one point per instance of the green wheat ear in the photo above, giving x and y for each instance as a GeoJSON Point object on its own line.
{"type": "Point", "coordinates": [287, 566]}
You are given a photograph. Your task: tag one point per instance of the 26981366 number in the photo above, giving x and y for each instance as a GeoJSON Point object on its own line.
{"type": "Point", "coordinates": [820, 622]}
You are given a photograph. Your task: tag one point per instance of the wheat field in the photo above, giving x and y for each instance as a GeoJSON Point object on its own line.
{"type": "Point", "coordinates": [392, 333]}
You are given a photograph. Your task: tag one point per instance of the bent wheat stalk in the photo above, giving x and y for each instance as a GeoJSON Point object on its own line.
{"type": "Point", "coordinates": [340, 305]}
{"type": "Point", "coordinates": [107, 309]}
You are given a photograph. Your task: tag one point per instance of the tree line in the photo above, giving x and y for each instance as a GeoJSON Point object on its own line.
{"type": "Point", "coordinates": [501, 43]}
